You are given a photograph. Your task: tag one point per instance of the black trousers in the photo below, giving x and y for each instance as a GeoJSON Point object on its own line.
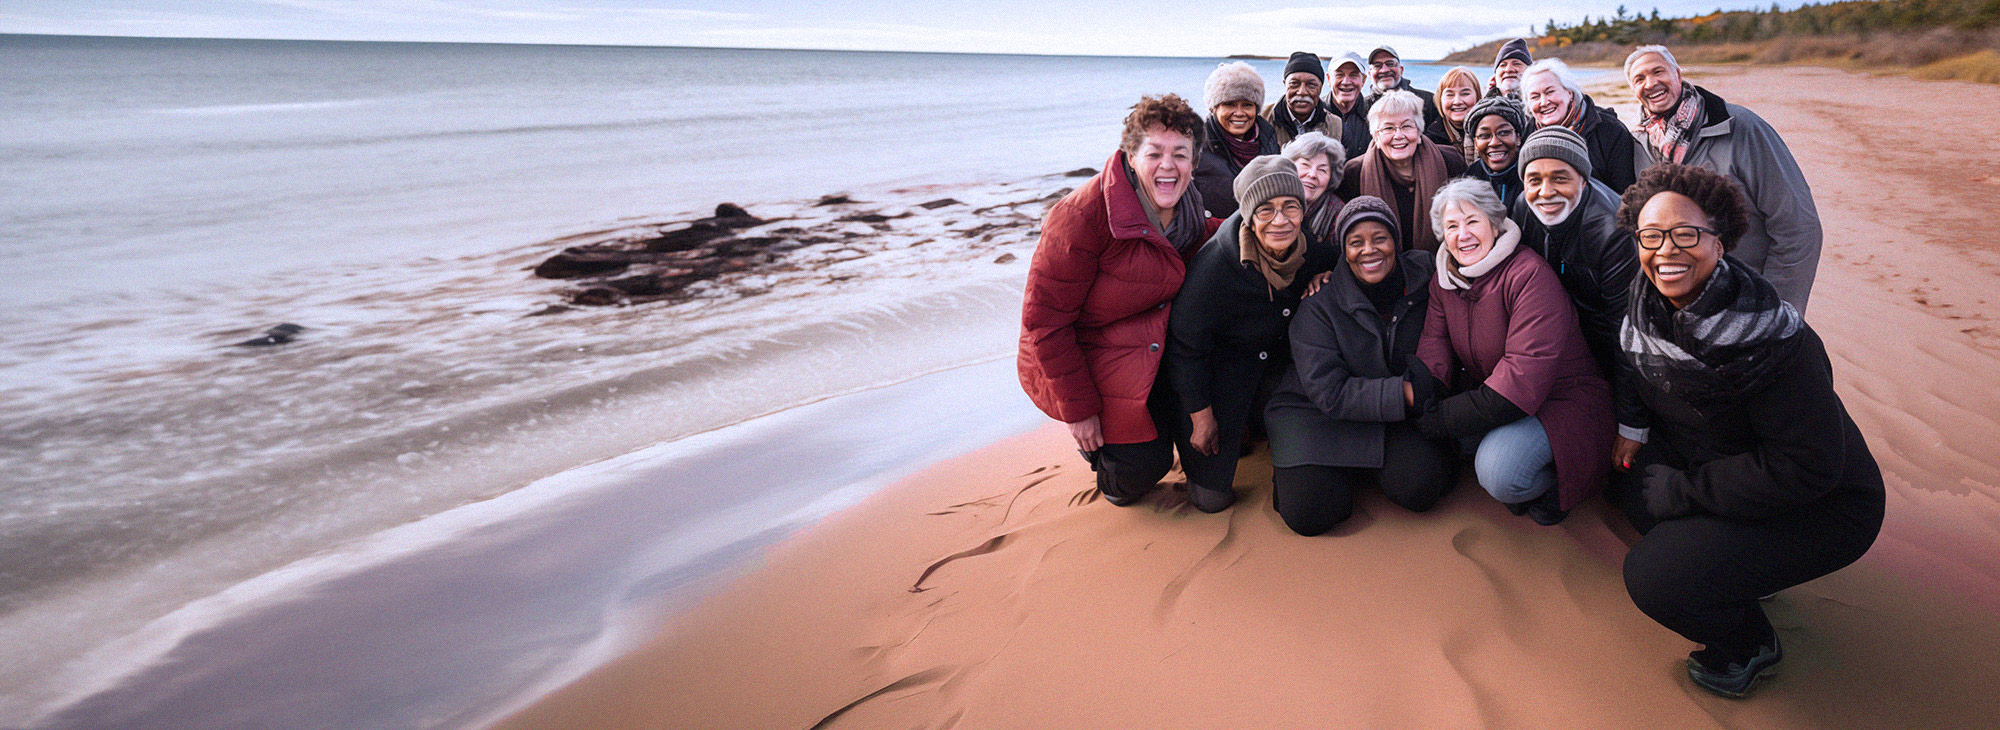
{"type": "Point", "coordinates": [1702, 575]}
{"type": "Point", "coordinates": [1241, 390]}
{"type": "Point", "coordinates": [1126, 472]}
{"type": "Point", "coordinates": [1416, 472]}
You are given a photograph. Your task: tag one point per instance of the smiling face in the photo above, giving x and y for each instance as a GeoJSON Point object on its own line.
{"type": "Point", "coordinates": [1302, 93]}
{"type": "Point", "coordinates": [1315, 172]}
{"type": "Point", "coordinates": [1467, 233]}
{"type": "Point", "coordinates": [1236, 117]}
{"type": "Point", "coordinates": [1385, 69]}
{"type": "Point", "coordinates": [1397, 136]}
{"type": "Point", "coordinates": [1507, 75]}
{"type": "Point", "coordinates": [1655, 83]}
{"type": "Point", "coordinates": [1276, 223]}
{"type": "Point", "coordinates": [1164, 162]}
{"type": "Point", "coordinates": [1552, 189]}
{"type": "Point", "coordinates": [1546, 98]}
{"type": "Point", "coordinates": [1370, 252]}
{"type": "Point", "coordinates": [1347, 81]}
{"type": "Point", "coordinates": [1678, 273]}
{"type": "Point", "coordinates": [1495, 142]}
{"type": "Point", "coordinates": [1456, 100]}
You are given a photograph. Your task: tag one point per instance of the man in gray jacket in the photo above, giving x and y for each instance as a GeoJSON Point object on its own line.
{"type": "Point", "coordinates": [1684, 123]}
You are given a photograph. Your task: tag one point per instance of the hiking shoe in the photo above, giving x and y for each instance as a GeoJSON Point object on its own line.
{"type": "Point", "coordinates": [1547, 510]}
{"type": "Point", "coordinates": [1210, 500]}
{"type": "Point", "coordinates": [1735, 680]}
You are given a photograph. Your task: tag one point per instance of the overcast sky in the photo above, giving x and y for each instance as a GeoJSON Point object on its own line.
{"type": "Point", "coordinates": [1119, 27]}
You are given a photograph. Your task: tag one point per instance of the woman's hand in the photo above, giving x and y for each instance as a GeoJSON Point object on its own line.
{"type": "Point", "coordinates": [1089, 433]}
{"type": "Point", "coordinates": [1623, 451]}
{"type": "Point", "coordinates": [1204, 434]}
{"type": "Point", "coordinates": [1318, 281]}
{"type": "Point", "coordinates": [1409, 395]}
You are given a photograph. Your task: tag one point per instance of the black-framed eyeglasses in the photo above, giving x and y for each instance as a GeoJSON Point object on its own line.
{"type": "Point", "coordinates": [1684, 237]}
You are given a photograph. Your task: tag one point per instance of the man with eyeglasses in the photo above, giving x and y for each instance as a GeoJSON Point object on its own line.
{"type": "Point", "coordinates": [1385, 68]}
{"type": "Point", "coordinates": [1300, 110]}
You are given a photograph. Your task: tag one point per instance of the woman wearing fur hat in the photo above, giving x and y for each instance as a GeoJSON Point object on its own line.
{"type": "Point", "coordinates": [1321, 162]}
{"type": "Point", "coordinates": [1554, 97]}
{"type": "Point", "coordinates": [1340, 418]}
{"type": "Point", "coordinates": [1094, 318]}
{"type": "Point", "coordinates": [1752, 477]}
{"type": "Point", "coordinates": [1494, 131]}
{"type": "Point", "coordinates": [1226, 338]}
{"type": "Point", "coordinates": [1234, 133]}
{"type": "Point", "coordinates": [1402, 167]}
{"type": "Point", "coordinates": [1501, 335]}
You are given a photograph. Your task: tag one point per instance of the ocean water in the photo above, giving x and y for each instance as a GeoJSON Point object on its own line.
{"type": "Point", "coordinates": [166, 198]}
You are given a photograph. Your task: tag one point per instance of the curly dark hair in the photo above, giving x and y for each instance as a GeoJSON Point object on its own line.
{"type": "Point", "coordinates": [1720, 197]}
{"type": "Point", "coordinates": [1166, 110]}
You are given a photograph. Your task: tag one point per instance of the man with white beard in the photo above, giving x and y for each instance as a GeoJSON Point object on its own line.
{"type": "Point", "coordinates": [1571, 219]}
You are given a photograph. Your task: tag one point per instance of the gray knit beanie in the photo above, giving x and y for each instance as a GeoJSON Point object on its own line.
{"type": "Point", "coordinates": [1233, 82]}
{"type": "Point", "coordinates": [1364, 208]}
{"type": "Point", "coordinates": [1505, 107]}
{"type": "Point", "coordinates": [1267, 177]}
{"type": "Point", "coordinates": [1559, 142]}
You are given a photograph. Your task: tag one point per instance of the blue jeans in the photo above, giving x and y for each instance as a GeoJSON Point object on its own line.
{"type": "Point", "coordinates": [1514, 462]}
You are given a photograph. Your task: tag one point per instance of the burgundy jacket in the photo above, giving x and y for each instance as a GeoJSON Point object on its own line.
{"type": "Point", "coordinates": [1094, 319]}
{"type": "Point", "coordinates": [1516, 331]}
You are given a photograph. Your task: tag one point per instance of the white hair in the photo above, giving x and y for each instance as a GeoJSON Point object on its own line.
{"type": "Point", "coordinates": [1642, 51]}
{"type": "Point", "coordinates": [1395, 102]}
{"type": "Point", "coordinates": [1555, 67]}
{"type": "Point", "coordinates": [1314, 144]}
{"type": "Point", "coordinates": [1467, 190]}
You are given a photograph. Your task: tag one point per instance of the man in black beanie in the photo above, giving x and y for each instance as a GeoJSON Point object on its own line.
{"type": "Point", "coordinates": [1508, 63]}
{"type": "Point", "coordinates": [1300, 110]}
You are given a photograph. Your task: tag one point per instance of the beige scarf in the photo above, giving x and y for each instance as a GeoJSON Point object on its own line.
{"type": "Point", "coordinates": [1278, 272]}
{"type": "Point", "coordinates": [1452, 276]}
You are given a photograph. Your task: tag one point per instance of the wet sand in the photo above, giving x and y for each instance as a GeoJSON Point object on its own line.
{"type": "Point", "coordinates": [992, 591]}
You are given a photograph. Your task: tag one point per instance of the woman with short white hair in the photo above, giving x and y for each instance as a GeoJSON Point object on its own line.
{"type": "Point", "coordinates": [1553, 96]}
{"type": "Point", "coordinates": [1322, 162]}
{"type": "Point", "coordinates": [1402, 167]}
{"type": "Point", "coordinates": [1501, 337]}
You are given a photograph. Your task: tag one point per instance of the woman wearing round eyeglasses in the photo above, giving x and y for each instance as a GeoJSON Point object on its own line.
{"type": "Point", "coordinates": [1402, 167]}
{"type": "Point", "coordinates": [1226, 339]}
{"type": "Point", "coordinates": [1748, 476]}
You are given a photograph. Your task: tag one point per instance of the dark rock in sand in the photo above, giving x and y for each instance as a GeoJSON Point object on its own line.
{"type": "Point", "coordinates": [574, 262]}
{"type": "Point", "coordinates": [871, 217]}
{"type": "Point", "coordinates": [548, 310]}
{"type": "Point", "coordinates": [695, 234]}
{"type": "Point", "coordinates": [1005, 258]}
{"type": "Point", "coordinates": [731, 210]}
{"type": "Point", "coordinates": [939, 203]}
{"type": "Point", "coordinates": [1081, 172]}
{"type": "Point", "coordinates": [596, 296]}
{"type": "Point", "coordinates": [835, 199]}
{"type": "Point", "coordinates": [276, 335]}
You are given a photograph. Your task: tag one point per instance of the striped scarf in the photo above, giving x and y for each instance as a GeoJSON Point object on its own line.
{"type": "Point", "coordinates": [1668, 135]}
{"type": "Point", "coordinates": [1733, 339]}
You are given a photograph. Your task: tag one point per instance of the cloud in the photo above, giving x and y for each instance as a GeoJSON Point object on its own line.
{"type": "Point", "coordinates": [1438, 22]}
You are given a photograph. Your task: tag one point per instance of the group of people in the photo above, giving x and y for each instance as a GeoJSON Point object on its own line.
{"type": "Point", "coordinates": [1387, 282]}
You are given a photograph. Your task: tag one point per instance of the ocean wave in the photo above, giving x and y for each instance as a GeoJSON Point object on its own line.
{"type": "Point", "coordinates": [294, 106]}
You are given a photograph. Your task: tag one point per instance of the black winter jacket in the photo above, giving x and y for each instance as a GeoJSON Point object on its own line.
{"type": "Point", "coordinates": [1614, 154]}
{"type": "Point", "coordinates": [1227, 327]}
{"type": "Point", "coordinates": [1349, 366]}
{"type": "Point", "coordinates": [1215, 170]}
{"type": "Point", "coordinates": [1595, 261]}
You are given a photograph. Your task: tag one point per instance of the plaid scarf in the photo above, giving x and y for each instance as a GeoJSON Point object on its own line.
{"type": "Point", "coordinates": [1668, 135]}
{"type": "Point", "coordinates": [1733, 339]}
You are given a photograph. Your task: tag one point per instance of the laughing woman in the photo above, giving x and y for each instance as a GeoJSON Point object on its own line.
{"type": "Point", "coordinates": [1226, 339]}
{"type": "Point", "coordinates": [1094, 319]}
{"type": "Point", "coordinates": [1321, 163]}
{"type": "Point", "coordinates": [1501, 333]}
{"type": "Point", "coordinates": [1752, 477]}
{"type": "Point", "coordinates": [1234, 133]}
{"type": "Point", "coordinates": [1402, 168]}
{"type": "Point", "coordinates": [1554, 97]}
{"type": "Point", "coordinates": [1495, 129]}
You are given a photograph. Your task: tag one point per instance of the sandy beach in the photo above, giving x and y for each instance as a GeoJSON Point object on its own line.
{"type": "Point", "coordinates": [993, 590]}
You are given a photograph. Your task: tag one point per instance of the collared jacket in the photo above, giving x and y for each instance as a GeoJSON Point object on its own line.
{"type": "Point", "coordinates": [1347, 375]}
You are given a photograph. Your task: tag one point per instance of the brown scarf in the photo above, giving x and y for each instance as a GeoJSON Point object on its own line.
{"type": "Point", "coordinates": [1377, 180]}
{"type": "Point", "coordinates": [1278, 272]}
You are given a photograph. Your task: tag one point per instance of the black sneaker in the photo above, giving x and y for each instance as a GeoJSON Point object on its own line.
{"type": "Point", "coordinates": [1546, 510]}
{"type": "Point", "coordinates": [1210, 500]}
{"type": "Point", "coordinates": [1735, 680]}
{"type": "Point", "coordinates": [1516, 508]}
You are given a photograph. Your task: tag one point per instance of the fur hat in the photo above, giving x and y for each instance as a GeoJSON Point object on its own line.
{"type": "Point", "coordinates": [1558, 142]}
{"type": "Point", "coordinates": [1364, 208]}
{"type": "Point", "coordinates": [1233, 82]}
{"type": "Point", "coordinates": [1267, 177]}
{"type": "Point", "coordinates": [1304, 62]}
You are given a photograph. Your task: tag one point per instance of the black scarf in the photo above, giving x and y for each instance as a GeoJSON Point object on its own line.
{"type": "Point", "coordinates": [1298, 127]}
{"type": "Point", "coordinates": [1188, 228]}
{"type": "Point", "coordinates": [1733, 339]}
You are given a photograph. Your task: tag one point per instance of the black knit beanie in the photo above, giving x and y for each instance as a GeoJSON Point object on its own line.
{"type": "Point", "coordinates": [1504, 107]}
{"type": "Point", "coordinates": [1517, 48]}
{"type": "Point", "coordinates": [1364, 208]}
{"type": "Point", "coordinates": [1303, 61]}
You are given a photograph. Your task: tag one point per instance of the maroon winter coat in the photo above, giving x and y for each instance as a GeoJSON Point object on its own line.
{"type": "Point", "coordinates": [1516, 331]}
{"type": "Point", "coordinates": [1095, 316]}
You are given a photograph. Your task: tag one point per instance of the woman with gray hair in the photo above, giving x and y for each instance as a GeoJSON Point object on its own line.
{"type": "Point", "coordinates": [1234, 134]}
{"type": "Point", "coordinates": [1501, 337]}
{"type": "Point", "coordinates": [1321, 161]}
{"type": "Point", "coordinates": [1403, 167]}
{"type": "Point", "coordinates": [1554, 97]}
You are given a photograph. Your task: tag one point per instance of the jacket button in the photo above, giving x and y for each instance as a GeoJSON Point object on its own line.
{"type": "Point", "coordinates": [1155, 347]}
{"type": "Point", "coordinates": [1263, 356]}
{"type": "Point", "coordinates": [1286, 313]}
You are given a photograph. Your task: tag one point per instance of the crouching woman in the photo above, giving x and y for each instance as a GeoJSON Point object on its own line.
{"type": "Point", "coordinates": [1751, 478]}
{"type": "Point", "coordinates": [1528, 400]}
{"type": "Point", "coordinates": [1226, 338]}
{"type": "Point", "coordinates": [1339, 419]}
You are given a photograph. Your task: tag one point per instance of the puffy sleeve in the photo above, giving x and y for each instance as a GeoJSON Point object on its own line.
{"type": "Point", "coordinates": [1060, 276]}
{"type": "Point", "coordinates": [1800, 453]}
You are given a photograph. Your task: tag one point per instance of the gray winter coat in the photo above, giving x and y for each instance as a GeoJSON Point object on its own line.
{"type": "Point", "coordinates": [1783, 240]}
{"type": "Point", "coordinates": [1347, 375]}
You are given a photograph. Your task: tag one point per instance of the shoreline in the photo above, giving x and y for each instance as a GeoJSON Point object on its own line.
{"type": "Point", "coordinates": [1002, 580]}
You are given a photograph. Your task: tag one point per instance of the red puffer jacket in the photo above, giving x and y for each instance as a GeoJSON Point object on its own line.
{"type": "Point", "coordinates": [1095, 316]}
